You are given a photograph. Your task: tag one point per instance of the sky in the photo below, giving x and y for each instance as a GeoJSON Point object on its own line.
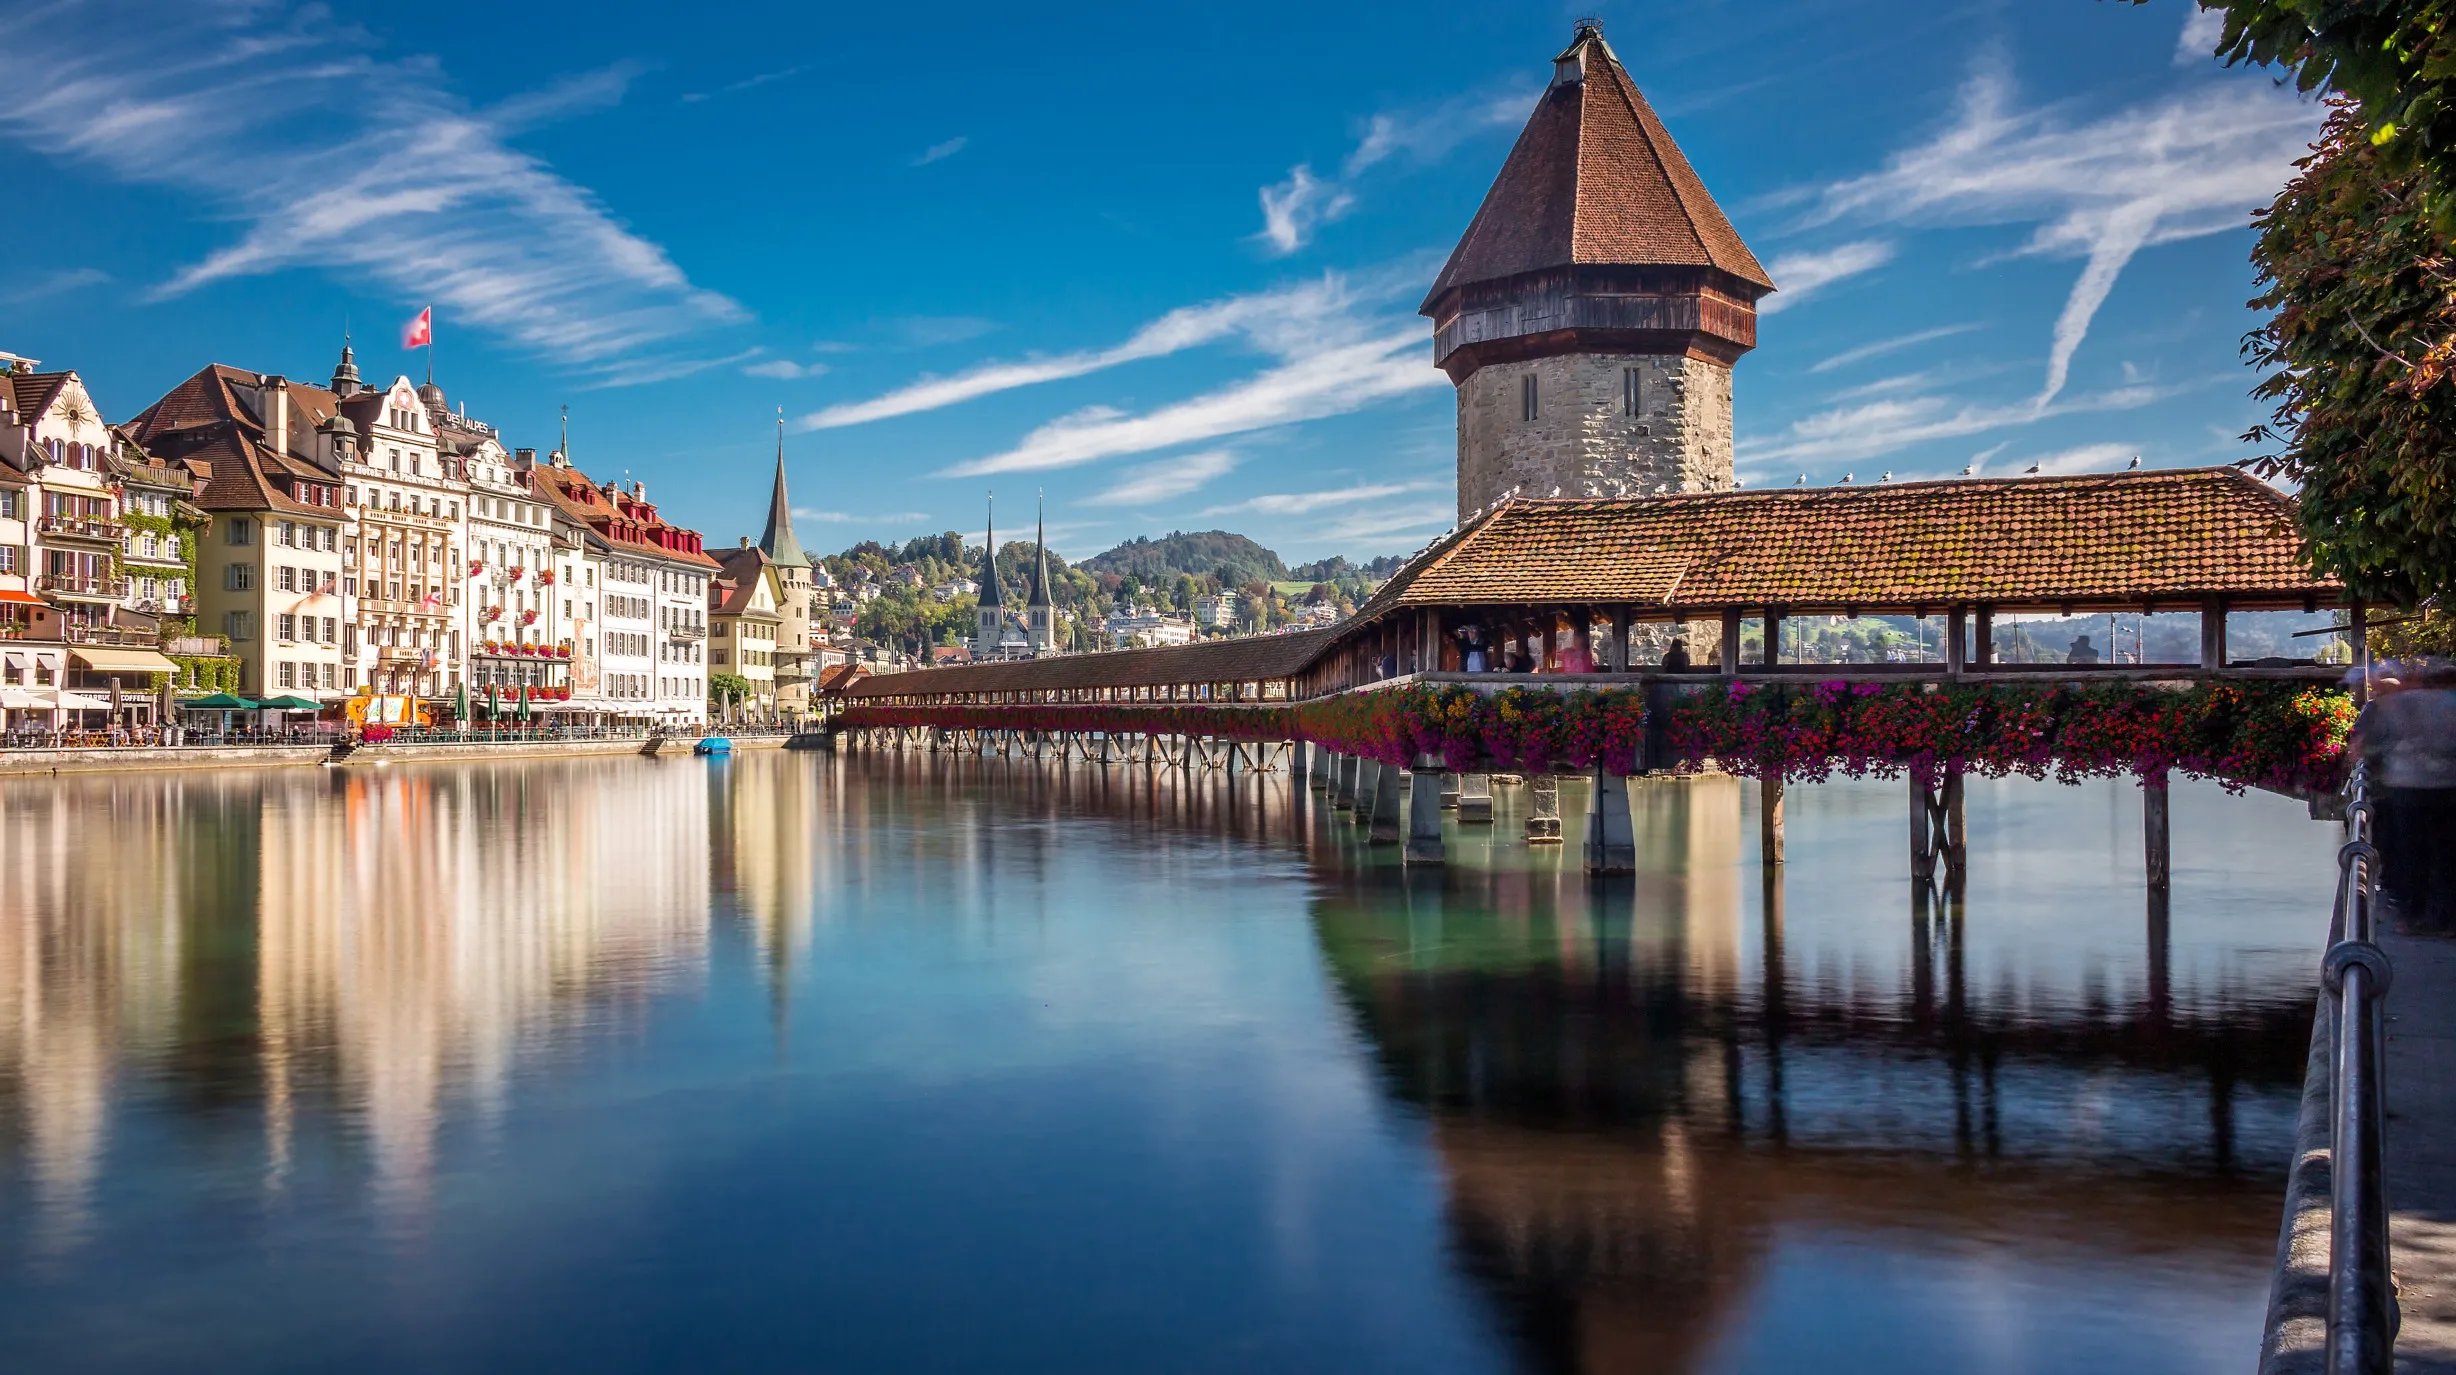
{"type": "Point", "coordinates": [1162, 267]}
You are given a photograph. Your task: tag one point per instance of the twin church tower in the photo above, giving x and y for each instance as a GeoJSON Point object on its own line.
{"type": "Point", "coordinates": [1589, 317]}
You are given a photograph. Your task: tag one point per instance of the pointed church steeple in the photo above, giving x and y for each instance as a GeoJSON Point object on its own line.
{"type": "Point", "coordinates": [345, 376]}
{"type": "Point", "coordinates": [1039, 595]}
{"type": "Point", "coordinates": [991, 596]}
{"type": "Point", "coordinates": [778, 542]}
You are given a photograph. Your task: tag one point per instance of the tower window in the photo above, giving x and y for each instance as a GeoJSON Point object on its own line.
{"type": "Point", "coordinates": [1632, 391]}
{"type": "Point", "coordinates": [1526, 397]}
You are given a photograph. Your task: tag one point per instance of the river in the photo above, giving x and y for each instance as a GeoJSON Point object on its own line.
{"type": "Point", "coordinates": [893, 1063]}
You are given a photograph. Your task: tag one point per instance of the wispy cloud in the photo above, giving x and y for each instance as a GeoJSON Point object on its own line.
{"type": "Point", "coordinates": [1260, 315]}
{"type": "Point", "coordinates": [823, 517]}
{"type": "Point", "coordinates": [58, 283]}
{"type": "Point", "coordinates": [1167, 479]}
{"type": "Point", "coordinates": [939, 152]}
{"type": "Point", "coordinates": [1296, 207]}
{"type": "Point", "coordinates": [1801, 275]}
{"type": "Point", "coordinates": [1882, 426]}
{"type": "Point", "coordinates": [785, 370]}
{"type": "Point", "coordinates": [330, 158]}
{"type": "Point", "coordinates": [1878, 348]}
{"type": "Point", "coordinates": [934, 331]}
{"type": "Point", "coordinates": [2087, 458]}
{"type": "Point", "coordinates": [748, 83]}
{"type": "Point", "coordinates": [1327, 381]}
{"type": "Point", "coordinates": [1306, 503]}
{"type": "Point", "coordinates": [634, 372]}
{"type": "Point", "coordinates": [2100, 189]}
{"type": "Point", "coordinates": [2196, 46]}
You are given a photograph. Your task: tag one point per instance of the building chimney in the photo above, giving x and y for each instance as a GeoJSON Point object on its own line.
{"type": "Point", "coordinates": [746, 541]}
{"type": "Point", "coordinates": [277, 411]}
{"type": "Point", "coordinates": [524, 458]}
{"type": "Point", "coordinates": [639, 491]}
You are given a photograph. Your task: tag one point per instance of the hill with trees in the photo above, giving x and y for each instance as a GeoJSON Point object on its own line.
{"type": "Point", "coordinates": [1231, 559]}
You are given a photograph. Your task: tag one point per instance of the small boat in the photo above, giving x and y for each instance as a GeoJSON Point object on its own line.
{"type": "Point", "coordinates": [713, 745]}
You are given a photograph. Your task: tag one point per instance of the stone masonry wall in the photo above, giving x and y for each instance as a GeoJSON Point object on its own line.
{"type": "Point", "coordinates": [1581, 441]}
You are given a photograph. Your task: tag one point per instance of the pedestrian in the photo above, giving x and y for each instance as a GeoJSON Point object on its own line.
{"type": "Point", "coordinates": [2407, 736]}
{"type": "Point", "coordinates": [1676, 658]}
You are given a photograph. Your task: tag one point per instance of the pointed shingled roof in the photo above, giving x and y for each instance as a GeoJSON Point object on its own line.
{"type": "Point", "coordinates": [1595, 179]}
{"type": "Point", "coordinates": [778, 542]}
{"type": "Point", "coordinates": [1039, 595]}
{"type": "Point", "coordinates": [991, 593]}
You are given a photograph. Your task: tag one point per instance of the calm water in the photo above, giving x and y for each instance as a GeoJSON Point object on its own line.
{"type": "Point", "coordinates": [791, 1063]}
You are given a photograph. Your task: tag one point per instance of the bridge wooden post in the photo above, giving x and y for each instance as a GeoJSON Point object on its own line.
{"type": "Point", "coordinates": [1324, 764]}
{"type": "Point", "coordinates": [1730, 664]}
{"type": "Point", "coordinates": [1769, 820]}
{"type": "Point", "coordinates": [1424, 813]}
{"type": "Point", "coordinates": [1956, 834]}
{"type": "Point", "coordinates": [1385, 828]}
{"type": "Point", "coordinates": [1349, 773]}
{"type": "Point", "coordinates": [1611, 837]}
{"type": "Point", "coordinates": [1297, 767]}
{"type": "Point", "coordinates": [1922, 831]}
{"type": "Point", "coordinates": [1620, 639]}
{"type": "Point", "coordinates": [2156, 841]}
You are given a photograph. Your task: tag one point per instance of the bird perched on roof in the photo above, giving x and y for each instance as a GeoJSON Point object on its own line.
{"type": "Point", "coordinates": [2030, 471]}
{"type": "Point", "coordinates": [2134, 465]}
{"type": "Point", "coordinates": [1556, 491]}
{"type": "Point", "coordinates": [1888, 477]}
{"type": "Point", "coordinates": [1848, 478]}
{"type": "Point", "coordinates": [1738, 482]}
{"type": "Point", "coordinates": [1967, 469]}
{"type": "Point", "coordinates": [1803, 481]}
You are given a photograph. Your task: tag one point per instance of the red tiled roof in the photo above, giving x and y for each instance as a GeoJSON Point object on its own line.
{"type": "Point", "coordinates": [2170, 535]}
{"type": "Point", "coordinates": [1252, 659]}
{"type": "Point", "coordinates": [1595, 179]}
{"type": "Point", "coordinates": [31, 393]}
{"type": "Point", "coordinates": [238, 482]}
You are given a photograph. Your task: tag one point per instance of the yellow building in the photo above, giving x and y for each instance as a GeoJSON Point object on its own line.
{"type": "Point", "coordinates": [746, 625]}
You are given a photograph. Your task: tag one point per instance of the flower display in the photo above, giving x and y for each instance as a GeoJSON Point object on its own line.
{"type": "Point", "coordinates": [2285, 736]}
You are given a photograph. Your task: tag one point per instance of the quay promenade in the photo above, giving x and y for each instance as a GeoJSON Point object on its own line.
{"type": "Point", "coordinates": [431, 747]}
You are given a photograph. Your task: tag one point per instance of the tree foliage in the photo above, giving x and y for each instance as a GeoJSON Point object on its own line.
{"type": "Point", "coordinates": [2357, 354]}
{"type": "Point", "coordinates": [2395, 58]}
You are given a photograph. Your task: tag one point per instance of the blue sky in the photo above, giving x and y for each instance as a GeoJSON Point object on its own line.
{"type": "Point", "coordinates": [1163, 265]}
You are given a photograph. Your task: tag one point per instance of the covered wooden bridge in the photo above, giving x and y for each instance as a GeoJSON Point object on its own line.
{"type": "Point", "coordinates": [1671, 594]}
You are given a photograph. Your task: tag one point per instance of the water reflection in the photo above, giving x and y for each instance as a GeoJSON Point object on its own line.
{"type": "Point", "coordinates": [1227, 1085]}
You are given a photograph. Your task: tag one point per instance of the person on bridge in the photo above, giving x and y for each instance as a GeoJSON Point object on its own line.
{"type": "Point", "coordinates": [2082, 651]}
{"type": "Point", "coordinates": [2408, 737]}
{"type": "Point", "coordinates": [1676, 659]}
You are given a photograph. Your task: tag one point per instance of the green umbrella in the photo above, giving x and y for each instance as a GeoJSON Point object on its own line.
{"type": "Point", "coordinates": [462, 713]}
{"type": "Point", "coordinates": [524, 704]}
{"type": "Point", "coordinates": [220, 701]}
{"type": "Point", "coordinates": [288, 703]}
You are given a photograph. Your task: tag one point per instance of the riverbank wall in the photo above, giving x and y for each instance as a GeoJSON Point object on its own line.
{"type": "Point", "coordinates": [44, 763]}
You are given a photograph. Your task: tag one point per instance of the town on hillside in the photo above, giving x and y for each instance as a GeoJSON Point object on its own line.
{"type": "Point", "coordinates": [338, 556]}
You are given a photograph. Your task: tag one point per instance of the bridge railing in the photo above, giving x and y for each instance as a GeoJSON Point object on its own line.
{"type": "Point", "coordinates": [2362, 1315]}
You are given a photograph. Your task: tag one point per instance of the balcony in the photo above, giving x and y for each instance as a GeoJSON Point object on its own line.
{"type": "Point", "coordinates": [686, 632]}
{"type": "Point", "coordinates": [197, 646]}
{"type": "Point", "coordinates": [110, 635]}
{"type": "Point", "coordinates": [393, 656]}
{"type": "Point", "coordinates": [100, 589]}
{"type": "Point", "coordinates": [89, 528]}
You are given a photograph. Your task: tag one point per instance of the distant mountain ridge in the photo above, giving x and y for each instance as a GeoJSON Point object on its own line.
{"type": "Point", "coordinates": [1235, 558]}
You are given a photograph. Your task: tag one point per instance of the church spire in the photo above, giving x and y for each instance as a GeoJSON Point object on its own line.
{"type": "Point", "coordinates": [1039, 595]}
{"type": "Point", "coordinates": [991, 596]}
{"type": "Point", "coordinates": [778, 542]}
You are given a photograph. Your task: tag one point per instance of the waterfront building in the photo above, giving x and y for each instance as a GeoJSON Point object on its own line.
{"type": "Point", "coordinates": [796, 594]}
{"type": "Point", "coordinates": [653, 603]}
{"type": "Point", "coordinates": [522, 614]}
{"type": "Point", "coordinates": [56, 441]}
{"type": "Point", "coordinates": [1591, 314]}
{"type": "Point", "coordinates": [405, 555]}
{"type": "Point", "coordinates": [747, 625]}
{"type": "Point", "coordinates": [269, 572]}
{"type": "Point", "coordinates": [165, 534]}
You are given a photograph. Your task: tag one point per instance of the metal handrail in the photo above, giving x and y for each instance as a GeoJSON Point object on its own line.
{"type": "Point", "coordinates": [2362, 1312]}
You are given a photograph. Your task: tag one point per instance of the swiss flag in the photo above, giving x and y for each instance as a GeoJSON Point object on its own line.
{"type": "Point", "coordinates": [419, 333]}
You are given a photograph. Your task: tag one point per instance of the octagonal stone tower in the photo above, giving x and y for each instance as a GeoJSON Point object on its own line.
{"type": "Point", "coordinates": [1591, 314]}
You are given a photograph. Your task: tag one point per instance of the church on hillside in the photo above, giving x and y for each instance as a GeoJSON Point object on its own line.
{"type": "Point", "coordinates": [998, 632]}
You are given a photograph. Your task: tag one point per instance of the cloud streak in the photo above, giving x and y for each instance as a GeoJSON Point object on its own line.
{"type": "Point", "coordinates": [2099, 189]}
{"type": "Point", "coordinates": [748, 83]}
{"type": "Point", "coordinates": [1327, 381]}
{"type": "Point", "coordinates": [1802, 275]}
{"type": "Point", "coordinates": [1877, 348]}
{"type": "Point", "coordinates": [332, 159]}
{"type": "Point", "coordinates": [1167, 479]}
{"type": "Point", "coordinates": [58, 283]}
{"type": "Point", "coordinates": [1295, 208]}
{"type": "Point", "coordinates": [1264, 316]}
{"type": "Point", "coordinates": [940, 152]}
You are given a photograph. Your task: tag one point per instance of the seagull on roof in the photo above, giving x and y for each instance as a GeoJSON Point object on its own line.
{"type": "Point", "coordinates": [1738, 482]}
{"type": "Point", "coordinates": [2134, 465]}
{"type": "Point", "coordinates": [1556, 491]}
{"type": "Point", "coordinates": [2030, 471]}
{"type": "Point", "coordinates": [1969, 469]}
{"type": "Point", "coordinates": [1848, 478]}
{"type": "Point", "coordinates": [1803, 481]}
{"type": "Point", "coordinates": [1888, 477]}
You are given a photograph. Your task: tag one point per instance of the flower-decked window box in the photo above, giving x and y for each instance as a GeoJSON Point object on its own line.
{"type": "Point", "coordinates": [476, 567]}
{"type": "Point", "coordinates": [545, 577]}
{"type": "Point", "coordinates": [528, 618]}
{"type": "Point", "coordinates": [493, 613]}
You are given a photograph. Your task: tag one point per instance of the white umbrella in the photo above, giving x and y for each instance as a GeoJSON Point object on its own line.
{"type": "Point", "coordinates": [78, 701]}
{"type": "Point", "coordinates": [18, 699]}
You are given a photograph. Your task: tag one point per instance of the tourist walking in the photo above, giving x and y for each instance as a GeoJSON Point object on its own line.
{"type": "Point", "coordinates": [2408, 737]}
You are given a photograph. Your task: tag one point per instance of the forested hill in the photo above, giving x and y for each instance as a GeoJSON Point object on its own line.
{"type": "Point", "coordinates": [1233, 559]}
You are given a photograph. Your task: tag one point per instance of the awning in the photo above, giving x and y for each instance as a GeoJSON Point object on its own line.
{"type": "Point", "coordinates": [14, 660]}
{"type": "Point", "coordinates": [121, 660]}
{"type": "Point", "coordinates": [18, 699]}
{"type": "Point", "coordinates": [78, 701]}
{"type": "Point", "coordinates": [10, 594]}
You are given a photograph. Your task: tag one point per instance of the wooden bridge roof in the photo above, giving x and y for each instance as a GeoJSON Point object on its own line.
{"type": "Point", "coordinates": [1252, 659]}
{"type": "Point", "coordinates": [2165, 536]}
